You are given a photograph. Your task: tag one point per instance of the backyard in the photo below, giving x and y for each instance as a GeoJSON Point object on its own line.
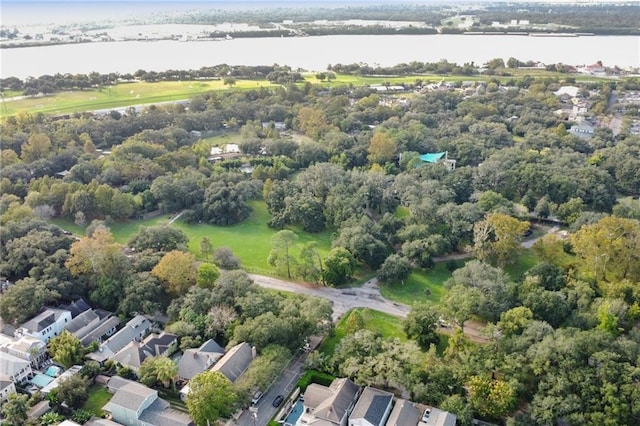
{"type": "Point", "coordinates": [97, 398]}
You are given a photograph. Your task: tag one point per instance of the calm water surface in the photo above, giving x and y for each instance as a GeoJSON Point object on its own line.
{"type": "Point", "coordinates": [315, 53]}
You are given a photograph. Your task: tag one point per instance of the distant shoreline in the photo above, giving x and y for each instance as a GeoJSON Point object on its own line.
{"type": "Point", "coordinates": [267, 34]}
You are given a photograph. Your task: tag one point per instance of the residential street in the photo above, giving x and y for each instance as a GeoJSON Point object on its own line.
{"type": "Point", "coordinates": [285, 384]}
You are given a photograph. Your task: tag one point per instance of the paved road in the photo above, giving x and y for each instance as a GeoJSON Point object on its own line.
{"type": "Point", "coordinates": [285, 384]}
{"type": "Point", "coordinates": [367, 296]}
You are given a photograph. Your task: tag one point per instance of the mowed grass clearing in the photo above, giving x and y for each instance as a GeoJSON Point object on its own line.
{"type": "Point", "coordinates": [414, 290]}
{"type": "Point", "coordinates": [122, 95]}
{"type": "Point", "coordinates": [388, 326]}
{"type": "Point", "coordinates": [249, 240]}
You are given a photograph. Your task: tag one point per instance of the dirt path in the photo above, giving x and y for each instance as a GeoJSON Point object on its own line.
{"type": "Point", "coordinates": [343, 300]}
{"type": "Point", "coordinates": [176, 217]}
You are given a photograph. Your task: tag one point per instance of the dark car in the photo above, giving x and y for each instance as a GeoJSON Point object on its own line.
{"type": "Point", "coordinates": [278, 400]}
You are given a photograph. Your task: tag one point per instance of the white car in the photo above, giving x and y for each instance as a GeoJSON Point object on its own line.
{"type": "Point", "coordinates": [256, 397]}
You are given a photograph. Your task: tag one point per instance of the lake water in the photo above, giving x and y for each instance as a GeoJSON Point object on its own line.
{"type": "Point", "coordinates": [315, 53]}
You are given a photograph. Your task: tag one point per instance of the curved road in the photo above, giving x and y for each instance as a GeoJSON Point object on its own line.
{"type": "Point", "coordinates": [366, 296]}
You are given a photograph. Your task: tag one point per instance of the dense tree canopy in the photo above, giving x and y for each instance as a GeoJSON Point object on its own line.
{"type": "Point", "coordinates": [343, 162]}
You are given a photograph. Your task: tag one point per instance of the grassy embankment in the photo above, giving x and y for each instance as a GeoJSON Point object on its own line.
{"type": "Point", "coordinates": [137, 93]}
{"type": "Point", "coordinates": [386, 325]}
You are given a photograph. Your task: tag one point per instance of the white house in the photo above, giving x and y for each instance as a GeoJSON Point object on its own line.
{"type": "Point", "coordinates": [47, 324]}
{"type": "Point", "coordinates": [18, 370]}
{"type": "Point", "coordinates": [7, 387]}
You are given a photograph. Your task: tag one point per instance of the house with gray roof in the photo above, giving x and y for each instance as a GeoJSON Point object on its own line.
{"type": "Point", "coordinates": [137, 405]}
{"type": "Point", "coordinates": [28, 348]}
{"type": "Point", "coordinates": [583, 130]}
{"type": "Point", "coordinates": [134, 330]}
{"type": "Point", "coordinates": [47, 324]}
{"type": "Point", "coordinates": [7, 387]}
{"type": "Point", "coordinates": [77, 307]}
{"type": "Point", "coordinates": [134, 354]}
{"type": "Point", "coordinates": [18, 370]}
{"type": "Point", "coordinates": [232, 364]}
{"type": "Point", "coordinates": [329, 405]}
{"type": "Point", "coordinates": [197, 360]}
{"type": "Point", "coordinates": [236, 361]}
{"type": "Point", "coordinates": [372, 409]}
{"type": "Point", "coordinates": [437, 417]}
{"type": "Point", "coordinates": [404, 413]}
{"type": "Point", "coordinates": [86, 322]}
{"type": "Point", "coordinates": [103, 331]}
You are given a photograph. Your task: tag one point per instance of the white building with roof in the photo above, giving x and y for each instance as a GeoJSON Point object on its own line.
{"type": "Point", "coordinates": [46, 325]}
{"type": "Point", "coordinates": [7, 387]}
{"type": "Point", "coordinates": [18, 370]}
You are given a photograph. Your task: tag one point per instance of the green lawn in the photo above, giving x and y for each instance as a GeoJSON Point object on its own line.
{"type": "Point", "coordinates": [388, 326]}
{"type": "Point", "coordinates": [526, 261]}
{"type": "Point", "coordinates": [121, 231]}
{"type": "Point", "coordinates": [223, 138]}
{"type": "Point", "coordinates": [98, 397]}
{"type": "Point", "coordinates": [249, 240]}
{"type": "Point", "coordinates": [414, 289]}
{"type": "Point", "coordinates": [120, 95]}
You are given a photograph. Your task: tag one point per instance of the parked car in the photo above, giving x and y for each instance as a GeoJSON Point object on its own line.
{"type": "Point", "coordinates": [278, 400]}
{"type": "Point", "coordinates": [257, 397]}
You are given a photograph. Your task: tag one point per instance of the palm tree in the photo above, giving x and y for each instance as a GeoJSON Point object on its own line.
{"type": "Point", "coordinates": [166, 371]}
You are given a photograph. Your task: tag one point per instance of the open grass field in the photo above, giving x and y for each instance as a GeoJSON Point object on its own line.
{"type": "Point", "coordinates": [97, 398]}
{"type": "Point", "coordinates": [414, 290]}
{"type": "Point", "coordinates": [223, 138]}
{"type": "Point", "coordinates": [121, 231]}
{"type": "Point", "coordinates": [525, 262]}
{"type": "Point", "coordinates": [386, 325]}
{"type": "Point", "coordinates": [120, 95]}
{"type": "Point", "coordinates": [249, 240]}
{"type": "Point", "coordinates": [138, 93]}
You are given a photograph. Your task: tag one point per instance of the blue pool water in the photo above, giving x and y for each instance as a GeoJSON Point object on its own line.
{"type": "Point", "coordinates": [53, 371]}
{"type": "Point", "coordinates": [41, 380]}
{"type": "Point", "coordinates": [295, 413]}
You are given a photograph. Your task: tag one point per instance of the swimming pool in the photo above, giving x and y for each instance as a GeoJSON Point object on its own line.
{"type": "Point", "coordinates": [41, 380]}
{"type": "Point", "coordinates": [294, 414]}
{"type": "Point", "coordinates": [53, 371]}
